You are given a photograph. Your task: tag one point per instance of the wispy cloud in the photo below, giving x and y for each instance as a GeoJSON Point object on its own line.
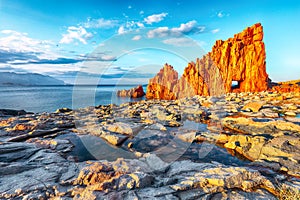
{"type": "Point", "coordinates": [215, 31]}
{"type": "Point", "coordinates": [155, 18]}
{"type": "Point", "coordinates": [159, 32]}
{"type": "Point", "coordinates": [180, 42]}
{"type": "Point", "coordinates": [76, 34]}
{"type": "Point", "coordinates": [6, 68]}
{"type": "Point", "coordinates": [19, 50]}
{"type": "Point", "coordinates": [137, 37]}
{"type": "Point", "coordinates": [13, 41]}
{"type": "Point", "coordinates": [101, 23]}
{"type": "Point", "coordinates": [188, 28]}
{"type": "Point", "coordinates": [222, 14]}
{"type": "Point", "coordinates": [58, 61]}
{"type": "Point", "coordinates": [19, 47]}
{"type": "Point", "coordinates": [129, 26]}
{"type": "Point", "coordinates": [11, 56]}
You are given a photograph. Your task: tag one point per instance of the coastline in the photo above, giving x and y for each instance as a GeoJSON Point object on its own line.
{"type": "Point", "coordinates": [165, 148]}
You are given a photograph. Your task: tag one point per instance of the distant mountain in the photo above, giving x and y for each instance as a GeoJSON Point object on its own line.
{"type": "Point", "coordinates": [11, 78]}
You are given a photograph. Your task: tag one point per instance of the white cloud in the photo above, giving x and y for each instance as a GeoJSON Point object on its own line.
{"type": "Point", "coordinates": [121, 30]}
{"type": "Point", "coordinates": [140, 24]}
{"type": "Point", "coordinates": [129, 26]}
{"type": "Point", "coordinates": [190, 27]}
{"type": "Point", "coordinates": [107, 58]}
{"type": "Point", "coordinates": [180, 42]}
{"type": "Point", "coordinates": [100, 23]}
{"type": "Point", "coordinates": [155, 18]}
{"type": "Point", "coordinates": [215, 31]}
{"type": "Point", "coordinates": [141, 12]}
{"type": "Point", "coordinates": [129, 7]}
{"type": "Point", "coordinates": [159, 32]}
{"type": "Point", "coordinates": [137, 37]}
{"type": "Point", "coordinates": [13, 41]}
{"type": "Point", "coordinates": [76, 33]}
{"type": "Point", "coordinates": [220, 14]}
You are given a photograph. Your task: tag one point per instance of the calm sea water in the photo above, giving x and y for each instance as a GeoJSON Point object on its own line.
{"type": "Point", "coordinates": [49, 98]}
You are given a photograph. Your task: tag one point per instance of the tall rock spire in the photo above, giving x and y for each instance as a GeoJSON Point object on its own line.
{"type": "Point", "coordinates": [241, 58]}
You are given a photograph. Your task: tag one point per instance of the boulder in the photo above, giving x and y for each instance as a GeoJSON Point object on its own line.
{"type": "Point", "coordinates": [253, 106]}
{"type": "Point", "coordinates": [136, 92]}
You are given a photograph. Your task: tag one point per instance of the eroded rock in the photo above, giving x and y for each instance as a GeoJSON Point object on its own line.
{"type": "Point", "coordinates": [136, 92]}
{"type": "Point", "coordinates": [241, 59]}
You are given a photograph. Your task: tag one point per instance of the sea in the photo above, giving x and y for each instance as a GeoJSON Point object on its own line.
{"type": "Point", "coordinates": [40, 99]}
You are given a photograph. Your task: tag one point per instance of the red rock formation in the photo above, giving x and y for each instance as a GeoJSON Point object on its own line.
{"type": "Point", "coordinates": [284, 87]}
{"type": "Point", "coordinates": [136, 92]}
{"type": "Point", "coordinates": [162, 85]}
{"type": "Point", "coordinates": [241, 58]}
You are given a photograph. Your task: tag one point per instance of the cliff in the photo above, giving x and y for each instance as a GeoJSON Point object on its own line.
{"type": "Point", "coordinates": [241, 58]}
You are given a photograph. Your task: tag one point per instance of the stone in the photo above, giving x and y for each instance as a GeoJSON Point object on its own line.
{"type": "Point", "coordinates": [63, 110]}
{"type": "Point", "coordinates": [136, 92]}
{"type": "Point", "coordinates": [187, 137]}
{"type": "Point", "coordinates": [114, 138]}
{"type": "Point", "coordinates": [120, 127]}
{"type": "Point", "coordinates": [253, 106]}
{"type": "Point", "coordinates": [155, 193]}
{"type": "Point", "coordinates": [274, 142]}
{"type": "Point", "coordinates": [157, 126]}
{"type": "Point", "coordinates": [290, 113]}
{"type": "Point", "coordinates": [245, 125]}
{"type": "Point", "coordinates": [241, 58]}
{"type": "Point", "coordinates": [269, 113]}
{"type": "Point", "coordinates": [22, 127]}
{"type": "Point", "coordinates": [32, 172]}
{"type": "Point", "coordinates": [218, 179]}
{"type": "Point", "coordinates": [10, 112]}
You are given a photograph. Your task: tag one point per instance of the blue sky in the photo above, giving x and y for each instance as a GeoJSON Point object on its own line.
{"type": "Point", "coordinates": [129, 41]}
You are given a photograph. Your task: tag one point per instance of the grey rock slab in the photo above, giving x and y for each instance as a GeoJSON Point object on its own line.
{"type": "Point", "coordinates": [185, 166]}
{"type": "Point", "coordinates": [154, 192]}
{"type": "Point", "coordinates": [269, 113]}
{"type": "Point", "coordinates": [10, 152]}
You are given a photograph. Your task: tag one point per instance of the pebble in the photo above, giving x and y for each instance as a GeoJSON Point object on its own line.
{"type": "Point", "coordinates": [290, 113]}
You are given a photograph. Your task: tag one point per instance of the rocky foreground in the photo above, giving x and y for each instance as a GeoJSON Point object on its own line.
{"type": "Point", "coordinates": [236, 146]}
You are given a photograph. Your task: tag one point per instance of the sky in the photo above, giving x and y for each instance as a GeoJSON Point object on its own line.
{"type": "Point", "coordinates": [127, 42]}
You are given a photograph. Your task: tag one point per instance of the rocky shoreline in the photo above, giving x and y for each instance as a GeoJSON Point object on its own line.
{"type": "Point", "coordinates": [235, 146]}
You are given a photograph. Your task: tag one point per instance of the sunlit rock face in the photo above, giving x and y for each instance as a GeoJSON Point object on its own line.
{"type": "Point", "coordinates": [136, 92]}
{"type": "Point", "coordinates": [241, 58]}
{"type": "Point", "coordinates": [162, 85]}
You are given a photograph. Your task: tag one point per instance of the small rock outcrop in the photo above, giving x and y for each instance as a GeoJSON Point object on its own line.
{"type": "Point", "coordinates": [289, 86]}
{"type": "Point", "coordinates": [136, 92]}
{"type": "Point", "coordinates": [241, 59]}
